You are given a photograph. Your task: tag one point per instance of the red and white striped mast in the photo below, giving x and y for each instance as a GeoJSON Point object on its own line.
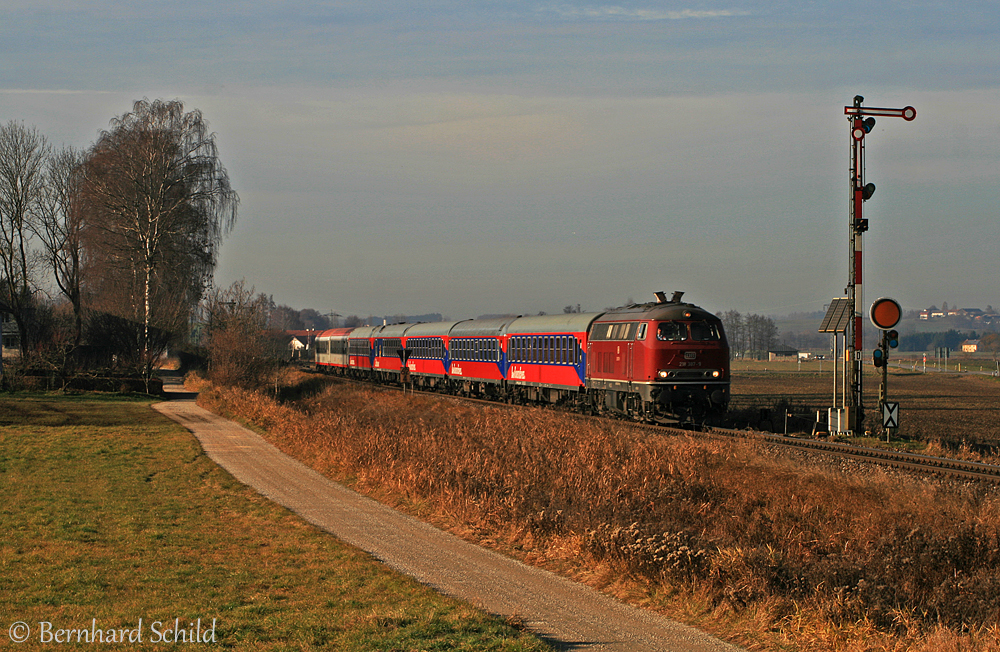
{"type": "Point", "coordinates": [862, 120]}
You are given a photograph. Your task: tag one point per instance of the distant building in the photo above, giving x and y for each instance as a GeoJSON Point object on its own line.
{"type": "Point", "coordinates": [970, 346]}
{"type": "Point", "coordinates": [300, 341]}
{"type": "Point", "coordinates": [782, 353]}
{"type": "Point", "coordinates": [11, 335]}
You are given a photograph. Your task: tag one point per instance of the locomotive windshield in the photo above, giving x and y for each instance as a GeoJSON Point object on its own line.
{"type": "Point", "coordinates": [672, 331]}
{"type": "Point", "coordinates": [676, 331]}
{"type": "Point", "coordinates": [704, 331]}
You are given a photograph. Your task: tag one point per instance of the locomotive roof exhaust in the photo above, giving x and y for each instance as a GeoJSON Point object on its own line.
{"type": "Point", "coordinates": [661, 297]}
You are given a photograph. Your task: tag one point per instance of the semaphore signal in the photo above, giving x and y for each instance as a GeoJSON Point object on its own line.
{"type": "Point", "coordinates": [862, 121]}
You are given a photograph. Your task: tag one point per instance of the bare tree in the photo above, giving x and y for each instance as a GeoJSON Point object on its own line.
{"type": "Point", "coordinates": [285, 318]}
{"type": "Point", "coordinates": [762, 335]}
{"type": "Point", "coordinates": [736, 333]}
{"type": "Point", "coordinates": [311, 319]}
{"type": "Point", "coordinates": [242, 350]}
{"type": "Point", "coordinates": [158, 202]}
{"type": "Point", "coordinates": [60, 226]}
{"type": "Point", "coordinates": [23, 154]}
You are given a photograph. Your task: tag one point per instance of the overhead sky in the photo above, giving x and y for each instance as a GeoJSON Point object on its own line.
{"type": "Point", "coordinates": [486, 156]}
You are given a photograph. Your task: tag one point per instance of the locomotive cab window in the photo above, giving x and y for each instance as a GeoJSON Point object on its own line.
{"type": "Point", "coordinates": [704, 331]}
{"type": "Point", "coordinates": [671, 331]}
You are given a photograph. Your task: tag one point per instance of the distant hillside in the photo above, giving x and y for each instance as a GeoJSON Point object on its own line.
{"type": "Point", "coordinates": [801, 330]}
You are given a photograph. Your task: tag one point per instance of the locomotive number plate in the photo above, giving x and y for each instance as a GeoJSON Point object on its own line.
{"type": "Point", "coordinates": [690, 355]}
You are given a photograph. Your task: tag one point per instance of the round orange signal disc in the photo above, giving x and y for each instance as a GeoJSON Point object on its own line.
{"type": "Point", "coordinates": [886, 313]}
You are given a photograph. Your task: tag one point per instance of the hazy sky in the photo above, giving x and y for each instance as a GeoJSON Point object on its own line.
{"type": "Point", "coordinates": [486, 156]}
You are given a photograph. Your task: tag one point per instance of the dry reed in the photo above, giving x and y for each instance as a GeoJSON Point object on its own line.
{"type": "Point", "coordinates": [770, 550]}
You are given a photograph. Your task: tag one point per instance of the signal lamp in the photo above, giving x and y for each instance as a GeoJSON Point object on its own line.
{"type": "Point", "coordinates": [869, 124]}
{"type": "Point", "coordinates": [892, 339]}
{"type": "Point", "coordinates": [878, 357]}
{"type": "Point", "coordinates": [868, 191]}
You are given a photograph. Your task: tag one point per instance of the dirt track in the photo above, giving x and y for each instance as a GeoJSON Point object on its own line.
{"type": "Point", "coordinates": [567, 614]}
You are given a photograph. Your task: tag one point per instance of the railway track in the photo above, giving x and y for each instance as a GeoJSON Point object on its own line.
{"type": "Point", "coordinates": [927, 464]}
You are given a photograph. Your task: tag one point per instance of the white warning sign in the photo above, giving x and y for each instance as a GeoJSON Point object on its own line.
{"type": "Point", "coordinates": [890, 415]}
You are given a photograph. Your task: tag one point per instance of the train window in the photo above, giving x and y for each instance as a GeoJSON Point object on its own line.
{"type": "Point", "coordinates": [704, 331]}
{"type": "Point", "coordinates": [671, 331]}
{"type": "Point", "coordinates": [641, 335]}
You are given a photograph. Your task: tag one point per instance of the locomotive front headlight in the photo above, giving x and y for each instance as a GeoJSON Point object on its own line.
{"type": "Point", "coordinates": [662, 373]}
{"type": "Point", "coordinates": [716, 373]}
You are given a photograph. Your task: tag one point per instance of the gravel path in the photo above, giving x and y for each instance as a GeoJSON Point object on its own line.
{"type": "Point", "coordinates": [570, 616]}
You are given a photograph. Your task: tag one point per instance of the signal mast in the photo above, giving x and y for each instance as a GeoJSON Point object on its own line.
{"type": "Point", "coordinates": [862, 120]}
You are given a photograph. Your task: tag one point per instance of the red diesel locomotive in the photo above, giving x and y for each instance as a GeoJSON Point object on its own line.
{"type": "Point", "coordinates": [653, 361]}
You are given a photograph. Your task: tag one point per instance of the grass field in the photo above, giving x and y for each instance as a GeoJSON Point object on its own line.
{"type": "Point", "coordinates": [111, 514]}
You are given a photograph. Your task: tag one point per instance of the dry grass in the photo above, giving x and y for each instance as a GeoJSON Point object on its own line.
{"type": "Point", "coordinates": [770, 551]}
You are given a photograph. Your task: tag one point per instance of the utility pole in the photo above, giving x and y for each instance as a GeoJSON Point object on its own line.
{"type": "Point", "coordinates": [861, 120]}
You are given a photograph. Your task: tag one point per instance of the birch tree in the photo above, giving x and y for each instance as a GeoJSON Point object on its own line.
{"type": "Point", "coordinates": [158, 202]}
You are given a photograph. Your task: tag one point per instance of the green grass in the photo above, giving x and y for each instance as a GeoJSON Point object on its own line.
{"type": "Point", "coordinates": [109, 511]}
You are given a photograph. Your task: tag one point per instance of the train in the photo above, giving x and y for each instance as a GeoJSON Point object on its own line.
{"type": "Point", "coordinates": [661, 361]}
